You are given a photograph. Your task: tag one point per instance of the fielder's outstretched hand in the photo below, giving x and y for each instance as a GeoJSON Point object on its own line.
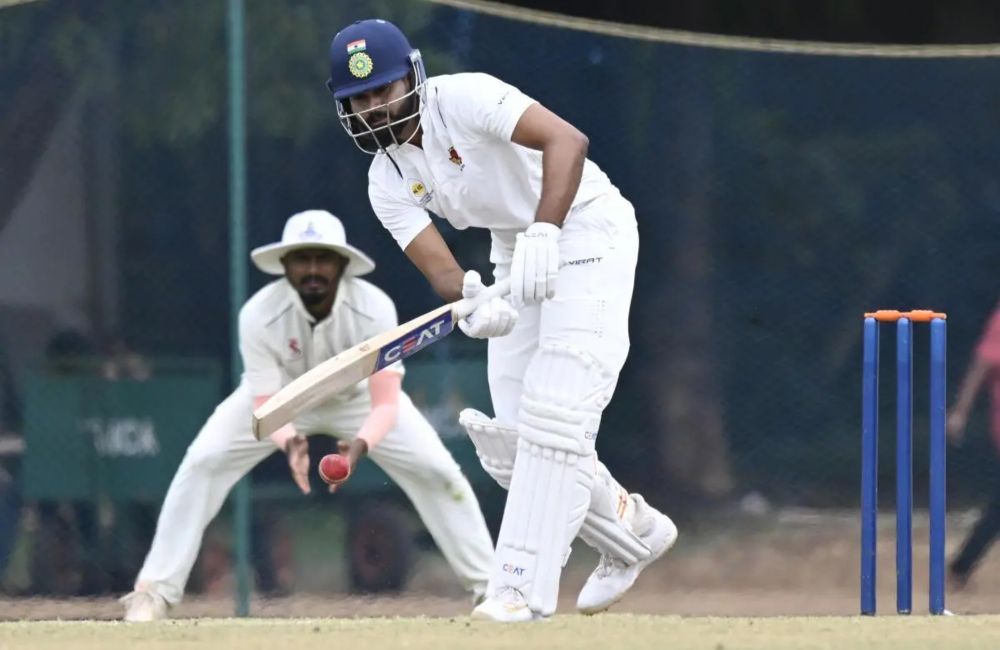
{"type": "Point", "coordinates": [297, 450]}
{"type": "Point", "coordinates": [353, 451]}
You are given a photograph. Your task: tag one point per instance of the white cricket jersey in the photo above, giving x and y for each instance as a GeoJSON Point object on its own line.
{"type": "Point", "coordinates": [467, 170]}
{"type": "Point", "coordinates": [280, 340]}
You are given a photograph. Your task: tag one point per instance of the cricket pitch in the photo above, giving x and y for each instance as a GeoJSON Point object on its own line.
{"type": "Point", "coordinates": [576, 632]}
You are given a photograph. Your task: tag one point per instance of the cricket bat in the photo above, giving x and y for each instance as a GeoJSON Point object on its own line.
{"type": "Point", "coordinates": [363, 360]}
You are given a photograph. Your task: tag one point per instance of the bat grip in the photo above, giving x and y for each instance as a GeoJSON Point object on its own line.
{"type": "Point", "coordinates": [462, 308]}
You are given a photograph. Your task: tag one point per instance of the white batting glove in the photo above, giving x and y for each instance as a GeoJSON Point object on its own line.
{"type": "Point", "coordinates": [535, 265]}
{"type": "Point", "coordinates": [490, 319]}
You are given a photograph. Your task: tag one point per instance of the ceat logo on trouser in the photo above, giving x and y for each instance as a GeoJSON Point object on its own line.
{"type": "Point", "coordinates": [513, 570]}
{"type": "Point", "coordinates": [415, 341]}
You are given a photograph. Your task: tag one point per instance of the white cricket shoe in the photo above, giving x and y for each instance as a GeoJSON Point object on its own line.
{"type": "Point", "coordinates": [508, 605]}
{"type": "Point", "coordinates": [612, 577]}
{"type": "Point", "coordinates": [142, 606]}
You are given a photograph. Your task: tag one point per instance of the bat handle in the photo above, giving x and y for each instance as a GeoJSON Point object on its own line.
{"type": "Point", "coordinates": [462, 308]}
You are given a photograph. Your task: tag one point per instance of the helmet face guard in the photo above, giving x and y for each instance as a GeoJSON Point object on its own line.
{"type": "Point", "coordinates": [388, 134]}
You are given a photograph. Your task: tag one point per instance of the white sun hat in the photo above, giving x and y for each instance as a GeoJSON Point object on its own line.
{"type": "Point", "coordinates": [311, 229]}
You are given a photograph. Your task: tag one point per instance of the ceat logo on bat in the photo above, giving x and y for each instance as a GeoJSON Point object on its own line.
{"type": "Point", "coordinates": [415, 340]}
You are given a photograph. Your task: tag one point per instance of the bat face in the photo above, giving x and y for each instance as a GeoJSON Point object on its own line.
{"type": "Point", "coordinates": [349, 367]}
{"type": "Point", "coordinates": [363, 360]}
{"type": "Point", "coordinates": [415, 340]}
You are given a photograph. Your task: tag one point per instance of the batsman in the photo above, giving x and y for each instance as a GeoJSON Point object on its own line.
{"type": "Point", "coordinates": [479, 153]}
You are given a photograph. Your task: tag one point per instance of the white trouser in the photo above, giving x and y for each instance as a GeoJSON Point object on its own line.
{"type": "Point", "coordinates": [411, 454]}
{"type": "Point", "coordinates": [598, 250]}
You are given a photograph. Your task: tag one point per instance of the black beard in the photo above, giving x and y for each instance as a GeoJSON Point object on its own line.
{"type": "Point", "coordinates": [383, 138]}
{"type": "Point", "coordinates": [310, 299]}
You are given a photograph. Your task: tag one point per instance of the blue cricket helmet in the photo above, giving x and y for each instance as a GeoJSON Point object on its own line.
{"type": "Point", "coordinates": [365, 55]}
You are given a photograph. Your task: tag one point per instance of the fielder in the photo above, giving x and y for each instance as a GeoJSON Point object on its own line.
{"type": "Point", "coordinates": [479, 153]}
{"type": "Point", "coordinates": [318, 309]}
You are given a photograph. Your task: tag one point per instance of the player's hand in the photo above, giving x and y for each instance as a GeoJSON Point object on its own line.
{"type": "Point", "coordinates": [352, 451]}
{"type": "Point", "coordinates": [490, 319]}
{"type": "Point", "coordinates": [297, 450]}
{"type": "Point", "coordinates": [535, 265]}
{"type": "Point", "coordinates": [955, 426]}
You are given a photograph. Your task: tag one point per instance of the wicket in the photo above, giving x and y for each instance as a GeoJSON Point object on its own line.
{"type": "Point", "coordinates": [904, 456]}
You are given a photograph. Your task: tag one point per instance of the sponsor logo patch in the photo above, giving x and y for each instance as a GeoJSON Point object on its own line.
{"type": "Point", "coordinates": [419, 191]}
{"type": "Point", "coordinates": [583, 261]}
{"type": "Point", "coordinates": [513, 570]}
{"type": "Point", "coordinates": [415, 341]}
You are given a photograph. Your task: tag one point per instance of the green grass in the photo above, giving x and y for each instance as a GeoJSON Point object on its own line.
{"type": "Point", "coordinates": [571, 632]}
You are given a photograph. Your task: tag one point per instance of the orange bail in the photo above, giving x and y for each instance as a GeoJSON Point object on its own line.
{"type": "Point", "coordinates": [915, 315]}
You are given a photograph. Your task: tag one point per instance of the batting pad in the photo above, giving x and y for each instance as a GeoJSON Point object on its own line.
{"type": "Point", "coordinates": [496, 444]}
{"type": "Point", "coordinates": [604, 526]}
{"type": "Point", "coordinates": [548, 499]}
{"type": "Point", "coordinates": [565, 390]}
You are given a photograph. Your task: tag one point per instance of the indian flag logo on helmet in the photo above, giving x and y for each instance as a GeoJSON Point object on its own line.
{"type": "Point", "coordinates": [360, 65]}
{"type": "Point", "coordinates": [356, 46]}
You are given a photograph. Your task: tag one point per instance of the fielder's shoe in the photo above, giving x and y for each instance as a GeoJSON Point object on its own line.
{"type": "Point", "coordinates": [612, 577]}
{"type": "Point", "coordinates": [506, 606]}
{"type": "Point", "coordinates": [142, 605]}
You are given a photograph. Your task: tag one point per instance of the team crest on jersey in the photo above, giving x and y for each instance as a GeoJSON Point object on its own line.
{"type": "Point", "coordinates": [293, 345]}
{"type": "Point", "coordinates": [360, 64]}
{"type": "Point", "coordinates": [419, 191]}
{"type": "Point", "coordinates": [455, 158]}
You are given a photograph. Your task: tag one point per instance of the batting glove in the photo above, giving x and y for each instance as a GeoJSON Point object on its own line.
{"type": "Point", "coordinates": [535, 265]}
{"type": "Point", "coordinates": [490, 319]}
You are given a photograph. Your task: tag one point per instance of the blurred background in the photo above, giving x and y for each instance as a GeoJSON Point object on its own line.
{"type": "Point", "coordinates": [781, 191]}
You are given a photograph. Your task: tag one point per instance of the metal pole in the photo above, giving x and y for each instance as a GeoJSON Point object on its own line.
{"type": "Point", "coordinates": [869, 465]}
{"type": "Point", "coordinates": [237, 274]}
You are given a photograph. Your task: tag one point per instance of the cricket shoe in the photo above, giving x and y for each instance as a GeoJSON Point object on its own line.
{"type": "Point", "coordinates": [142, 605]}
{"type": "Point", "coordinates": [612, 577]}
{"type": "Point", "coordinates": [507, 605]}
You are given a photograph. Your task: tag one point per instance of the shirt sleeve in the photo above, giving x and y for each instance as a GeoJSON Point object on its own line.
{"type": "Point", "coordinates": [988, 348]}
{"type": "Point", "coordinates": [483, 104]}
{"type": "Point", "coordinates": [403, 220]}
{"type": "Point", "coordinates": [261, 369]}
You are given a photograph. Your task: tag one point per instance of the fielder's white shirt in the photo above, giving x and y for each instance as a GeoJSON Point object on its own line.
{"type": "Point", "coordinates": [280, 340]}
{"type": "Point", "coordinates": [468, 171]}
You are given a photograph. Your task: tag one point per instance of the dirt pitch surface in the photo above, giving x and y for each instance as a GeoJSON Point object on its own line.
{"type": "Point", "coordinates": [785, 581]}
{"type": "Point", "coordinates": [575, 632]}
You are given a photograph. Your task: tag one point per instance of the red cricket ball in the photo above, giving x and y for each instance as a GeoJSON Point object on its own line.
{"type": "Point", "coordinates": [334, 468]}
